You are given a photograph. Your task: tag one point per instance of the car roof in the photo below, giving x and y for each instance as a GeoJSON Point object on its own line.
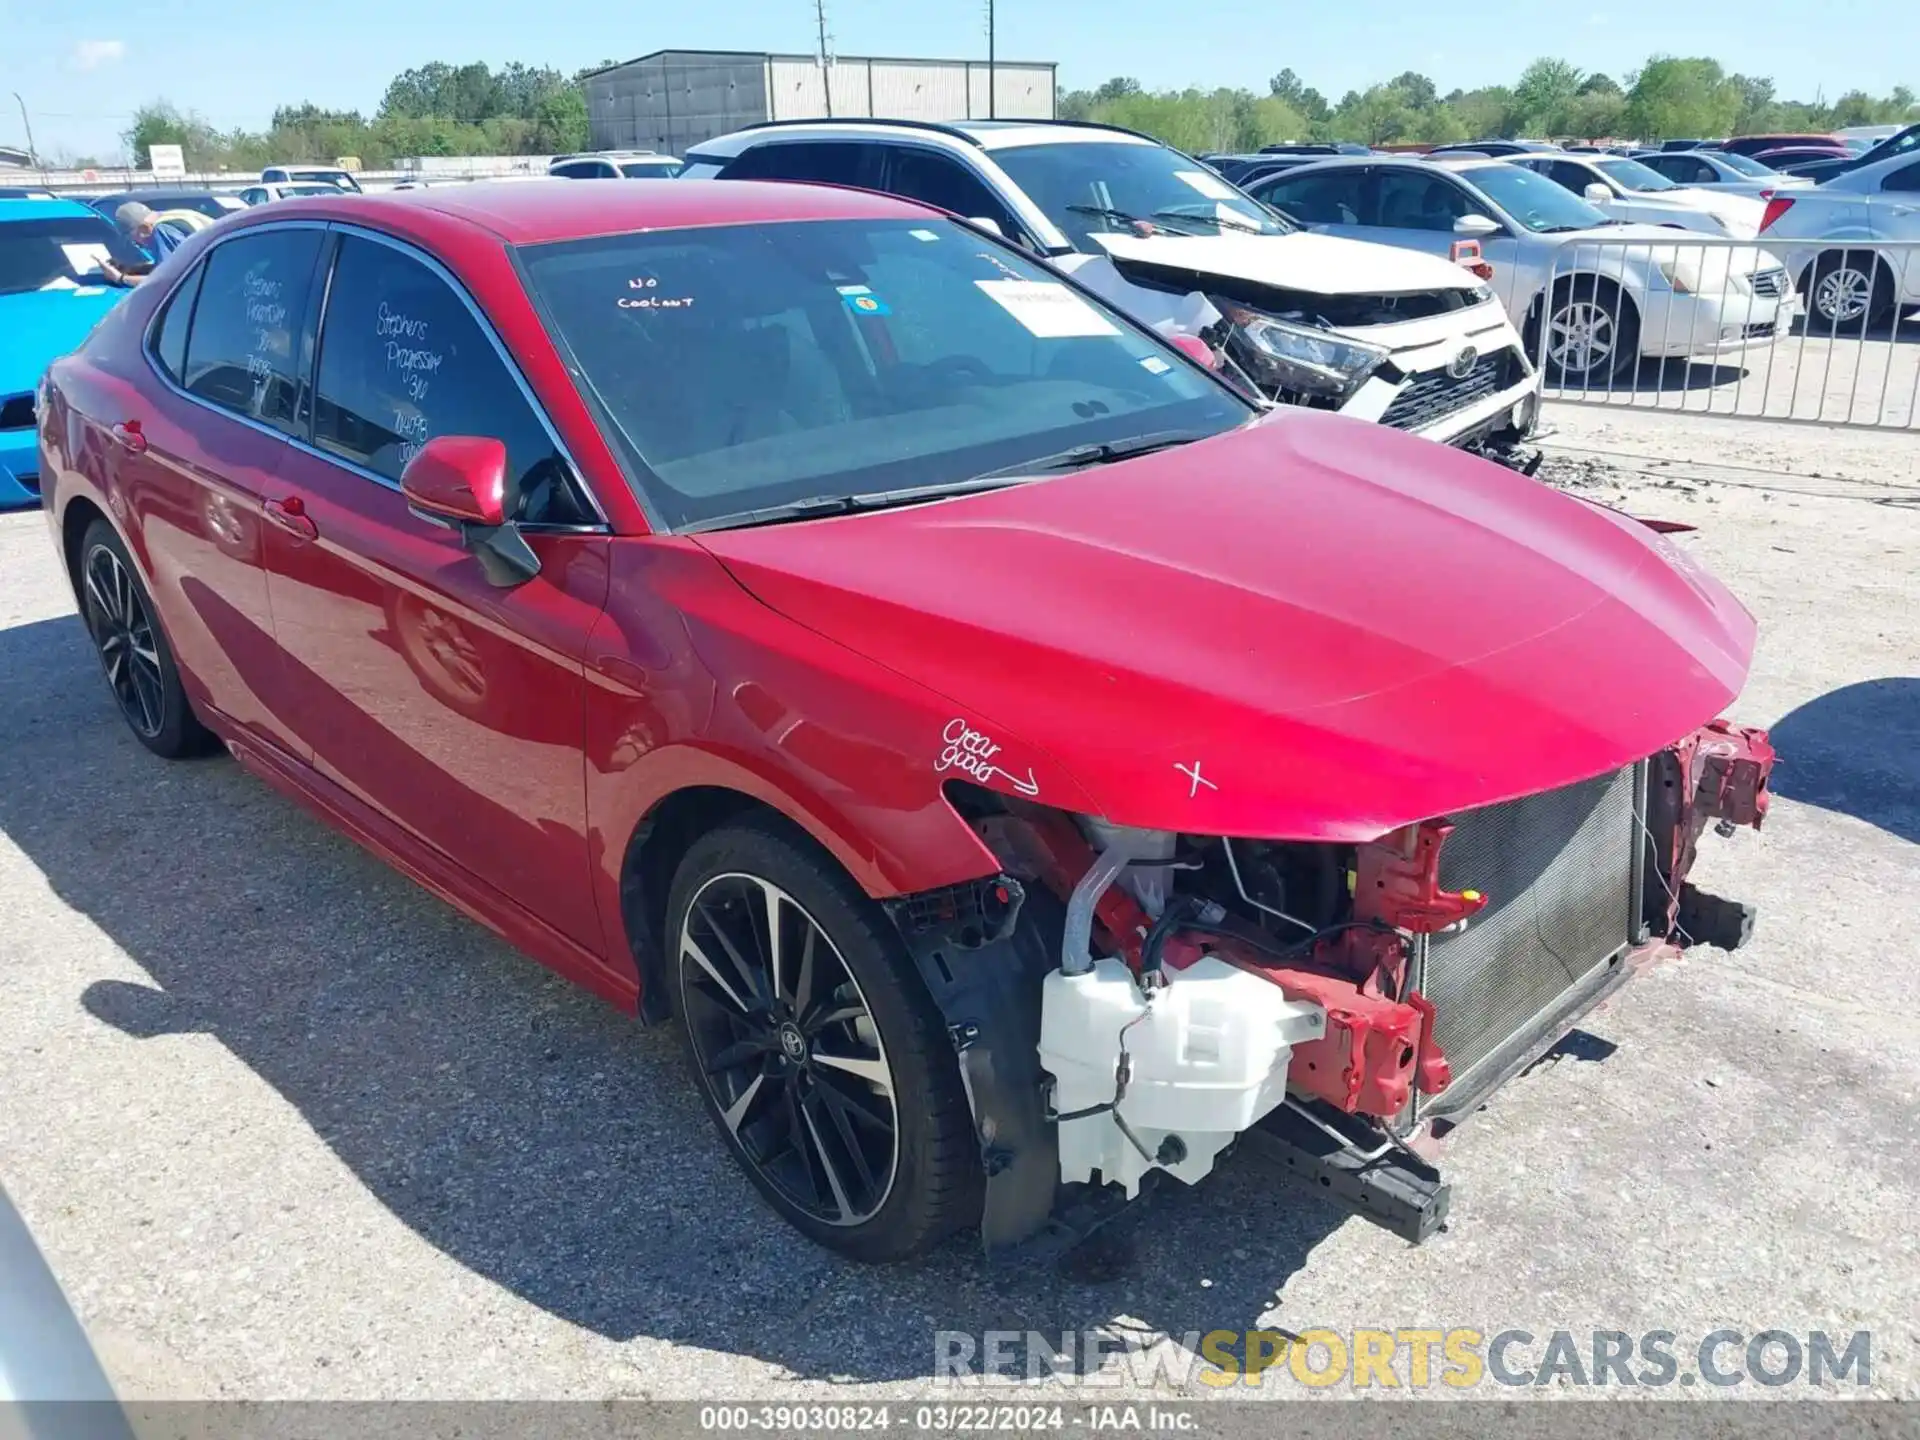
{"type": "Point", "coordinates": [980, 134]}
{"type": "Point", "coordinates": [45, 210]}
{"type": "Point", "coordinates": [546, 210]}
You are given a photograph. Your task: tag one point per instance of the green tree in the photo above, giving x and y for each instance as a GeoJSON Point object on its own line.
{"type": "Point", "coordinates": [1682, 97]}
{"type": "Point", "coordinates": [1600, 83]}
{"type": "Point", "coordinates": [1542, 97]}
{"type": "Point", "coordinates": [560, 121]}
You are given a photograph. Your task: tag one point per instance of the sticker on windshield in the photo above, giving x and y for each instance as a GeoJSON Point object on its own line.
{"type": "Point", "coordinates": [862, 301]}
{"type": "Point", "coordinates": [927, 235]}
{"type": "Point", "coordinates": [1209, 185]}
{"type": "Point", "coordinates": [1053, 312]}
{"type": "Point", "coordinates": [1154, 365]}
{"type": "Point", "coordinates": [85, 259]}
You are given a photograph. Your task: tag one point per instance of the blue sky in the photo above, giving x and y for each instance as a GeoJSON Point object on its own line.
{"type": "Point", "coordinates": [83, 67]}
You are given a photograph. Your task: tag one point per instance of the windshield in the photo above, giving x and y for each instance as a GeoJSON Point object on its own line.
{"type": "Point", "coordinates": [1634, 175]}
{"type": "Point", "coordinates": [59, 253]}
{"type": "Point", "coordinates": [1093, 189]}
{"type": "Point", "coordinates": [739, 368]}
{"type": "Point", "coordinates": [650, 169]}
{"type": "Point", "coordinates": [1899, 144]}
{"type": "Point", "coordinates": [1541, 205]}
{"type": "Point", "coordinates": [1745, 164]}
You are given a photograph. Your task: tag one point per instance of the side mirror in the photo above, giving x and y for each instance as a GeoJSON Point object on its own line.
{"type": "Point", "coordinates": [1196, 350]}
{"type": "Point", "coordinates": [460, 482]}
{"type": "Point", "coordinates": [1597, 194]}
{"type": "Point", "coordinates": [1477, 226]}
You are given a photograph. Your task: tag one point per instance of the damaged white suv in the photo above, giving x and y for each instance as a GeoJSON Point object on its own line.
{"type": "Point", "coordinates": [1410, 341]}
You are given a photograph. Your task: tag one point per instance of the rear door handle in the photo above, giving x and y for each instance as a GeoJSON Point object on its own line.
{"type": "Point", "coordinates": [128, 436]}
{"type": "Point", "coordinates": [291, 515]}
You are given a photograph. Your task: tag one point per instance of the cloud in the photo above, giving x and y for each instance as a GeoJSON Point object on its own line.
{"type": "Point", "coordinates": [92, 54]}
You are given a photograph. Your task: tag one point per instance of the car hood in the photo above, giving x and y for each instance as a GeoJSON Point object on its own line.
{"type": "Point", "coordinates": [42, 325]}
{"type": "Point", "coordinates": [1340, 628]}
{"type": "Point", "coordinates": [1313, 264]}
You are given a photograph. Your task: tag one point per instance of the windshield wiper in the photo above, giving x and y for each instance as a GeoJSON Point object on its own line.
{"type": "Point", "coordinates": [816, 506]}
{"type": "Point", "coordinates": [1106, 212]}
{"type": "Point", "coordinates": [1225, 222]}
{"type": "Point", "coordinates": [1106, 452]}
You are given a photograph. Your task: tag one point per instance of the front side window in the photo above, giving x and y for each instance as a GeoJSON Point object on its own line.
{"type": "Point", "coordinates": [1419, 200]}
{"type": "Point", "coordinates": [244, 351]}
{"type": "Point", "coordinates": [402, 360]}
{"type": "Point", "coordinates": [1534, 201]}
{"type": "Point", "coordinates": [60, 252]}
{"type": "Point", "coordinates": [1099, 188]}
{"type": "Point", "coordinates": [936, 179]}
{"type": "Point", "coordinates": [741, 367]}
{"type": "Point", "coordinates": [1330, 197]}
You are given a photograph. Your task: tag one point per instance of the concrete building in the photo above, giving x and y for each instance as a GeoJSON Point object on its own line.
{"type": "Point", "coordinates": [671, 100]}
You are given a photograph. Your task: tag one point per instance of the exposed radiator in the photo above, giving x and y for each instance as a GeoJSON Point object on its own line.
{"type": "Point", "coordinates": [1561, 872]}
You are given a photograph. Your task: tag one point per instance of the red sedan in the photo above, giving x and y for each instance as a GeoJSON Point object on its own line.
{"type": "Point", "coordinates": [1021, 766]}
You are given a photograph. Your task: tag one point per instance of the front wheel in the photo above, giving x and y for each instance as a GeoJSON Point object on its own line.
{"type": "Point", "coordinates": [1592, 333]}
{"type": "Point", "coordinates": [133, 650]}
{"type": "Point", "coordinates": [820, 1054]}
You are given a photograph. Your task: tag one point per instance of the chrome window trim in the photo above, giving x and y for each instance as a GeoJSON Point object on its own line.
{"type": "Point", "coordinates": [603, 527]}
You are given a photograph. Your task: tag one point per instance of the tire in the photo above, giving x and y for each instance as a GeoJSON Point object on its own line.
{"type": "Point", "coordinates": [1613, 344]}
{"type": "Point", "coordinates": [803, 1087]}
{"type": "Point", "coordinates": [134, 654]}
{"type": "Point", "coordinates": [1848, 290]}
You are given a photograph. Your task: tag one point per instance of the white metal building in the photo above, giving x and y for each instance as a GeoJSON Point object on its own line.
{"type": "Point", "coordinates": [672, 100]}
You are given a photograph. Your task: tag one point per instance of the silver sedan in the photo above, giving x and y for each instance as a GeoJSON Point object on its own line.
{"type": "Point", "coordinates": [1591, 295]}
{"type": "Point", "coordinates": [1853, 242]}
{"type": "Point", "coordinates": [1721, 173]}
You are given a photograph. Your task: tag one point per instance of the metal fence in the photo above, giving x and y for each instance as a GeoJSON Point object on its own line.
{"type": "Point", "coordinates": [1823, 332]}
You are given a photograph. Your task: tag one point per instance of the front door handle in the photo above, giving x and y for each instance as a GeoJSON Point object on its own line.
{"type": "Point", "coordinates": [291, 515]}
{"type": "Point", "coordinates": [128, 436]}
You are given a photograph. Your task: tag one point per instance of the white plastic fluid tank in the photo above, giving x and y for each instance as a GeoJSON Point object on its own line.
{"type": "Point", "coordinates": [1209, 1057]}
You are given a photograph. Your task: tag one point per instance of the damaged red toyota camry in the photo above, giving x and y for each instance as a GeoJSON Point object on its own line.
{"type": "Point", "coordinates": [1022, 767]}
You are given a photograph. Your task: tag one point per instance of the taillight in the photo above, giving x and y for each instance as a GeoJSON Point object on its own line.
{"type": "Point", "coordinates": [1777, 206]}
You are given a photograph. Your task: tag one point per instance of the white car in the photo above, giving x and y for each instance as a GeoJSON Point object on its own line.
{"type": "Point", "coordinates": [1623, 189]}
{"type": "Point", "coordinates": [329, 175]}
{"type": "Point", "coordinates": [1411, 341]}
{"type": "Point", "coordinates": [615, 165]}
{"type": "Point", "coordinates": [265, 194]}
{"type": "Point", "coordinates": [1605, 293]}
{"type": "Point", "coordinates": [1720, 171]}
{"type": "Point", "coordinates": [1845, 284]}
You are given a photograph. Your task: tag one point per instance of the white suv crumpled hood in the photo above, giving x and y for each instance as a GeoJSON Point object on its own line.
{"type": "Point", "coordinates": [1314, 264]}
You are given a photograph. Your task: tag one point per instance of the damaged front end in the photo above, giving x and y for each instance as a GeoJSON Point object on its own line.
{"type": "Point", "coordinates": [1127, 1002]}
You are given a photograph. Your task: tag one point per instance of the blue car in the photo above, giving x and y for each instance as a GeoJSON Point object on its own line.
{"type": "Point", "coordinates": [51, 295]}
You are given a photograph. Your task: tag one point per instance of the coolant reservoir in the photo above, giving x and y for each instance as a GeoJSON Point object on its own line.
{"type": "Point", "coordinates": [1209, 1057]}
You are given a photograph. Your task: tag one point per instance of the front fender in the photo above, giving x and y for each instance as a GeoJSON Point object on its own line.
{"type": "Point", "coordinates": [695, 684]}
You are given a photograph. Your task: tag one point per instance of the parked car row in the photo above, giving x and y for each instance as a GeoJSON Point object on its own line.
{"type": "Point", "coordinates": [1019, 759]}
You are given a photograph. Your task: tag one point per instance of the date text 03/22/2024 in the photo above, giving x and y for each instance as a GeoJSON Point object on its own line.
{"type": "Point", "coordinates": [946, 1419]}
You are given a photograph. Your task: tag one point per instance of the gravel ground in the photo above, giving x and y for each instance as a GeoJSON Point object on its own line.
{"type": "Point", "coordinates": [288, 1127]}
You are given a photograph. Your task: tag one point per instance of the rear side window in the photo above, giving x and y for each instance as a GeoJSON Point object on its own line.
{"type": "Point", "coordinates": [1906, 179]}
{"type": "Point", "coordinates": [244, 351]}
{"type": "Point", "coordinates": [827, 162]}
{"type": "Point", "coordinates": [402, 359]}
{"type": "Point", "coordinates": [170, 336]}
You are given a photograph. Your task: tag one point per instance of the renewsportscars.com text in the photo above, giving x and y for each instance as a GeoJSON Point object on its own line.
{"type": "Point", "coordinates": [1412, 1358]}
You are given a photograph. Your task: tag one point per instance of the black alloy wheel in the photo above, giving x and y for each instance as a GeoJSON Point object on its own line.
{"type": "Point", "coordinates": [789, 1049]}
{"type": "Point", "coordinates": [820, 1054]}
